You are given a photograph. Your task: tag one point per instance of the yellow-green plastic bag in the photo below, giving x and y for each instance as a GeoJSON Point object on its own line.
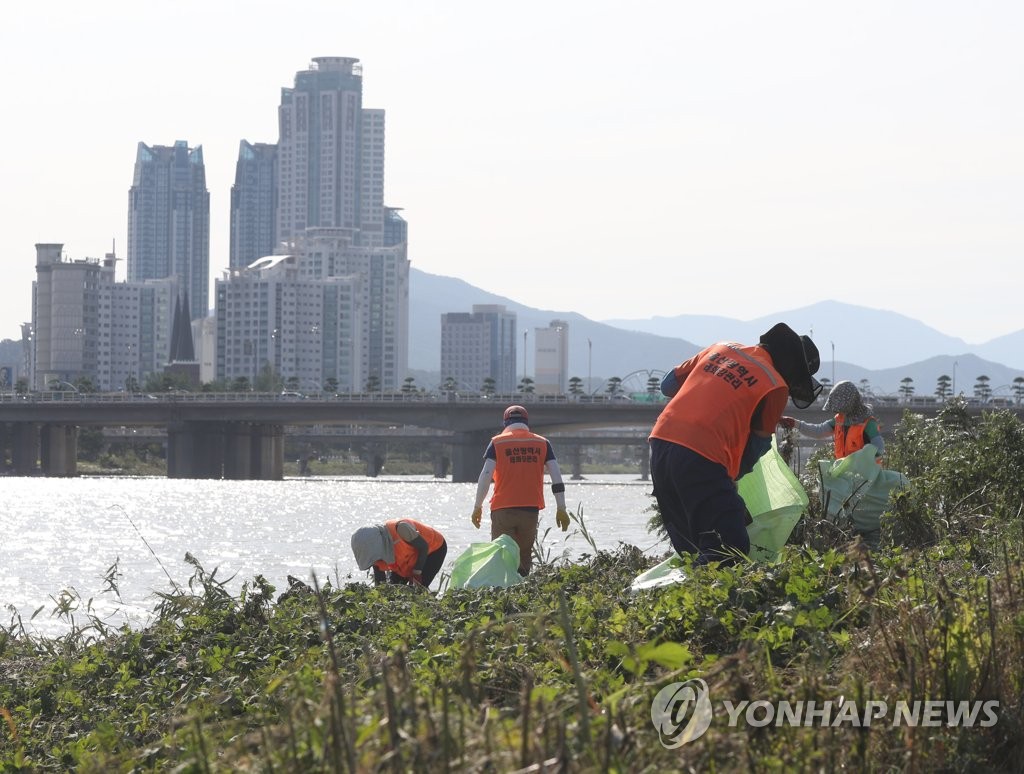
{"type": "Point", "coordinates": [775, 499]}
{"type": "Point", "coordinates": [857, 489]}
{"type": "Point", "coordinates": [487, 564]}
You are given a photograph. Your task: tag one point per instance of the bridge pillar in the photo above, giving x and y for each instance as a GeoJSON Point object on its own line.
{"type": "Point", "coordinates": [181, 450]}
{"type": "Point", "coordinates": [645, 462]}
{"type": "Point", "coordinates": [208, 450]}
{"type": "Point", "coordinates": [267, 461]}
{"type": "Point", "coordinates": [468, 455]}
{"type": "Point", "coordinates": [234, 450]}
{"type": "Point", "coordinates": [576, 461]}
{"type": "Point", "coordinates": [238, 451]}
{"type": "Point", "coordinates": [58, 450]}
{"type": "Point", "coordinates": [374, 460]}
{"type": "Point", "coordinates": [442, 463]}
{"type": "Point", "coordinates": [24, 448]}
{"type": "Point", "coordinates": [195, 450]}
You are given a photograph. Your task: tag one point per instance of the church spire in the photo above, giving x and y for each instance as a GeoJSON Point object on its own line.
{"type": "Point", "coordinates": [182, 346]}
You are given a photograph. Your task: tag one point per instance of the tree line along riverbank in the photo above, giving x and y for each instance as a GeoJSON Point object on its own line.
{"type": "Point", "coordinates": [98, 456]}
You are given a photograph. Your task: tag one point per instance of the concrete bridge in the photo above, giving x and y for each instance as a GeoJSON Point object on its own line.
{"type": "Point", "coordinates": [371, 443]}
{"type": "Point", "coordinates": [241, 435]}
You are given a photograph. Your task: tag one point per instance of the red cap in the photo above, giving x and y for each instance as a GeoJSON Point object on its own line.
{"type": "Point", "coordinates": [516, 414]}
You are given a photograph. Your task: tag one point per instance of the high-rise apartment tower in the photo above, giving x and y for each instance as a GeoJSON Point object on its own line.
{"type": "Point", "coordinates": [330, 154]}
{"type": "Point", "coordinates": [169, 220]}
{"type": "Point", "coordinates": [253, 204]}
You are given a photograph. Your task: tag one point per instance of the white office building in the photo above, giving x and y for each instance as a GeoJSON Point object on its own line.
{"type": "Point", "coordinates": [551, 358]}
{"type": "Point", "coordinates": [86, 325]}
{"type": "Point", "coordinates": [275, 323]}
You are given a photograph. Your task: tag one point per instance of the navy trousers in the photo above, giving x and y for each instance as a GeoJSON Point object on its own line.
{"type": "Point", "coordinates": [702, 511]}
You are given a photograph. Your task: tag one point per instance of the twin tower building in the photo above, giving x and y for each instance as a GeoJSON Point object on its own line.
{"type": "Point", "coordinates": [316, 293]}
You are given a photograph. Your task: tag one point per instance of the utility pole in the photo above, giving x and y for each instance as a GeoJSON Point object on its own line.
{"type": "Point", "coordinates": [524, 356]}
{"type": "Point", "coordinates": [590, 364]}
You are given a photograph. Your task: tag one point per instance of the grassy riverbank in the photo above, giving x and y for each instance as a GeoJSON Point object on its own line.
{"type": "Point", "coordinates": [562, 669]}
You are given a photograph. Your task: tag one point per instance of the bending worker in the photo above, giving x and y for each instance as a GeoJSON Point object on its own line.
{"type": "Point", "coordinates": [851, 427]}
{"type": "Point", "coordinates": [516, 460]}
{"type": "Point", "coordinates": [724, 405]}
{"type": "Point", "coordinates": [400, 550]}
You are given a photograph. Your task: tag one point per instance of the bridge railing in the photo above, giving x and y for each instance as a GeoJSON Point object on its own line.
{"type": "Point", "coordinates": [60, 396]}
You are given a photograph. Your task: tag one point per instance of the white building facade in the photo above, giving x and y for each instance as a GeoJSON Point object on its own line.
{"type": "Point", "coordinates": [85, 325]}
{"type": "Point", "coordinates": [551, 358]}
{"type": "Point", "coordinates": [273, 320]}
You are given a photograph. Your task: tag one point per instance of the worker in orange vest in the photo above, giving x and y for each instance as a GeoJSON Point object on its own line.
{"type": "Point", "coordinates": [851, 428]}
{"type": "Point", "coordinates": [516, 460]}
{"type": "Point", "coordinates": [400, 551]}
{"type": "Point", "coordinates": [724, 404]}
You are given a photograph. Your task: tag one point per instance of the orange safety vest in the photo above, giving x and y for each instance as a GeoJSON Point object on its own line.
{"type": "Point", "coordinates": [849, 438]}
{"type": "Point", "coordinates": [721, 387]}
{"type": "Point", "coordinates": [405, 553]}
{"type": "Point", "coordinates": [519, 459]}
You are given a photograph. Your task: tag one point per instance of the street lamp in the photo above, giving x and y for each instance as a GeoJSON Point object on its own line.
{"type": "Point", "coordinates": [524, 356]}
{"type": "Point", "coordinates": [130, 384]}
{"type": "Point", "coordinates": [249, 348]}
{"type": "Point", "coordinates": [590, 364]}
{"type": "Point", "coordinates": [955, 364]}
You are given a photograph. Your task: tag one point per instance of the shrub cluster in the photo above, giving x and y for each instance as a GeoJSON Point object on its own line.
{"type": "Point", "coordinates": [559, 672]}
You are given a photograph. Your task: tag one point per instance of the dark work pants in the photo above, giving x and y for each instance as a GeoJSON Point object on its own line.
{"type": "Point", "coordinates": [430, 569]}
{"type": "Point", "coordinates": [702, 511]}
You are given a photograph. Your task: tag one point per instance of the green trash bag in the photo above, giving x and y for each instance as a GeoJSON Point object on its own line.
{"type": "Point", "coordinates": [487, 564]}
{"type": "Point", "coordinates": [856, 490]}
{"type": "Point", "coordinates": [775, 499]}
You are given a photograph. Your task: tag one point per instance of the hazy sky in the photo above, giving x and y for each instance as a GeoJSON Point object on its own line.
{"type": "Point", "coordinates": [608, 158]}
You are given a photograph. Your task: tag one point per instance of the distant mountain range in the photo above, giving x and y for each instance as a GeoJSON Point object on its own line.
{"type": "Point", "coordinates": [854, 342]}
{"type": "Point", "coordinates": [871, 338]}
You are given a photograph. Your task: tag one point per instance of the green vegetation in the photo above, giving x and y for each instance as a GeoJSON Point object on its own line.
{"type": "Point", "coordinates": [98, 456]}
{"type": "Point", "coordinates": [559, 672]}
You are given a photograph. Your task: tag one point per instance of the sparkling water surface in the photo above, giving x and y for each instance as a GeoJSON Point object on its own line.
{"type": "Point", "coordinates": [66, 533]}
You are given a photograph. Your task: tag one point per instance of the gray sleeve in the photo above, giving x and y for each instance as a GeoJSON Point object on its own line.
{"type": "Point", "coordinates": [406, 531]}
{"type": "Point", "coordinates": [484, 482]}
{"type": "Point", "coordinates": [818, 431]}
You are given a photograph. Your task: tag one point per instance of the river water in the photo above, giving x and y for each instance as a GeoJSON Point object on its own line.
{"type": "Point", "coordinates": [65, 533]}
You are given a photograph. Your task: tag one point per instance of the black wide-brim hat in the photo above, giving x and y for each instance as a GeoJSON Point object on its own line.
{"type": "Point", "coordinates": [796, 359]}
